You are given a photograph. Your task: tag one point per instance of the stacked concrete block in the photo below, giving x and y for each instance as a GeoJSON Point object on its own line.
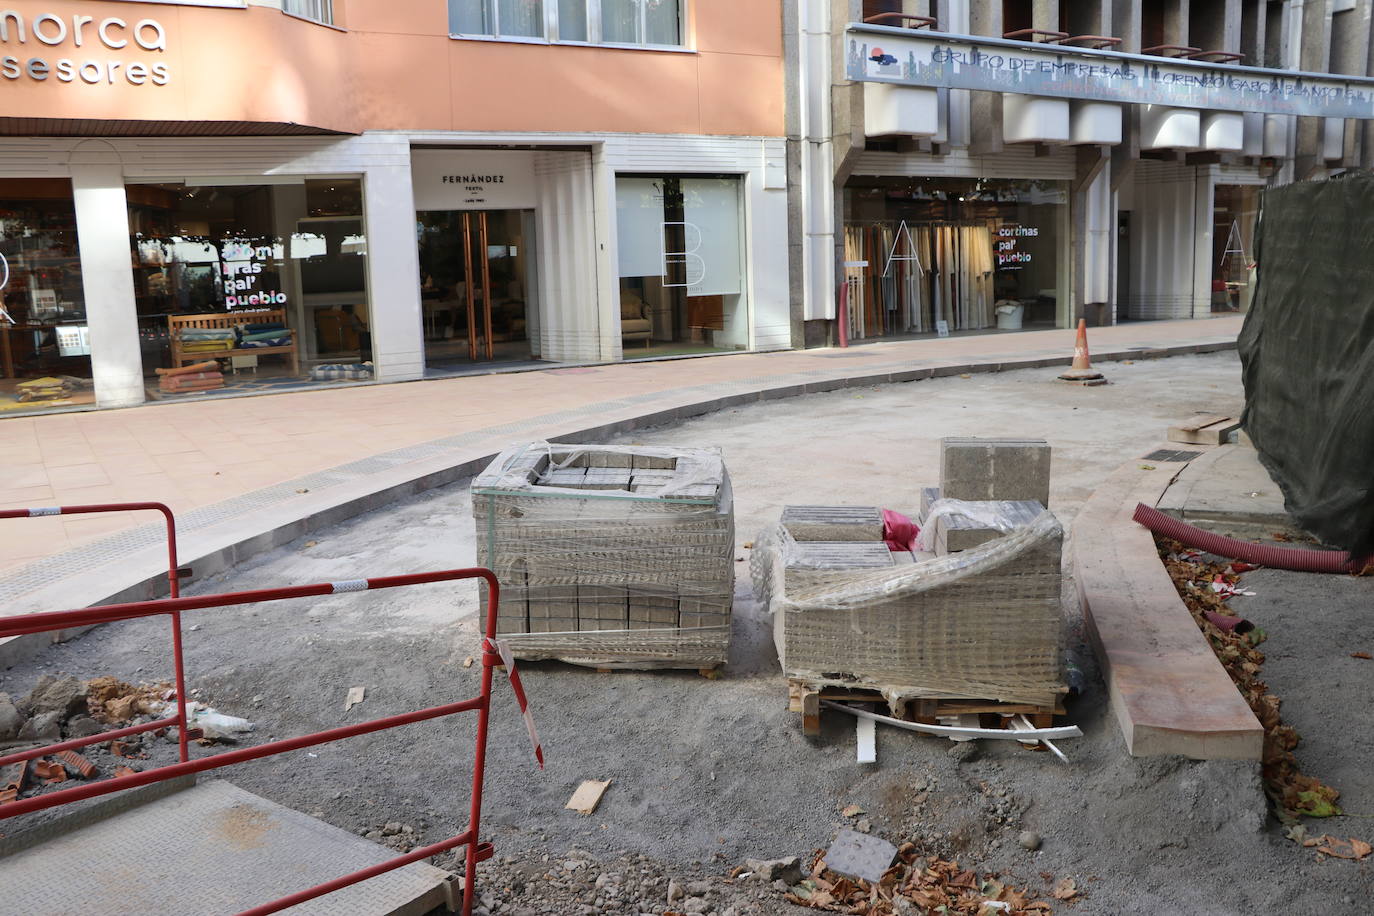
{"type": "Point", "coordinates": [955, 531]}
{"type": "Point", "coordinates": [995, 469]}
{"type": "Point", "coordinates": [917, 626]}
{"type": "Point", "coordinates": [622, 576]}
{"type": "Point", "coordinates": [833, 523]}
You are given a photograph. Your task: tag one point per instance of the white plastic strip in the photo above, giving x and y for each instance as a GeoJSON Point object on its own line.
{"type": "Point", "coordinates": [348, 585]}
{"type": "Point", "coordinates": [1022, 724]}
{"type": "Point", "coordinates": [868, 740]}
{"type": "Point", "coordinates": [47, 510]}
{"type": "Point", "coordinates": [947, 731]}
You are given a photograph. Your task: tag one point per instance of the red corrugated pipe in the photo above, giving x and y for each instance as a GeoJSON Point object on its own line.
{"type": "Point", "coordinates": [1294, 558]}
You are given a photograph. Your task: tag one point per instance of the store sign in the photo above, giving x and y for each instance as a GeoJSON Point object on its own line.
{"type": "Point", "coordinates": [31, 46]}
{"type": "Point", "coordinates": [241, 266]}
{"type": "Point", "coordinates": [473, 179]}
{"type": "Point", "coordinates": [932, 59]}
{"type": "Point", "coordinates": [1008, 237]}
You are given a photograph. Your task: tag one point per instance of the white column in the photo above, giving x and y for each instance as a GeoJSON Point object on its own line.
{"type": "Point", "coordinates": [1099, 229]}
{"type": "Point", "coordinates": [393, 275]}
{"type": "Point", "coordinates": [574, 251]}
{"type": "Point", "coordinates": [1203, 203]}
{"type": "Point", "coordinates": [817, 162]}
{"type": "Point", "coordinates": [765, 244]}
{"type": "Point", "coordinates": [102, 231]}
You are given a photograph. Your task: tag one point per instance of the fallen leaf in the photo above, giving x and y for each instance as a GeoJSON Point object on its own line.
{"type": "Point", "coordinates": [311, 543]}
{"type": "Point", "coordinates": [467, 662]}
{"type": "Point", "coordinates": [1364, 655]}
{"type": "Point", "coordinates": [852, 811]}
{"type": "Point", "coordinates": [1066, 889]}
{"type": "Point", "coordinates": [1147, 467]}
{"type": "Point", "coordinates": [1343, 849]}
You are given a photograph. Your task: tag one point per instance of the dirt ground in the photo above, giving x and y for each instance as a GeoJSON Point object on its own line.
{"type": "Point", "coordinates": [708, 772]}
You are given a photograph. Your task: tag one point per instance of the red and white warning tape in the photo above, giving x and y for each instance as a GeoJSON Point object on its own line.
{"type": "Point", "coordinates": [507, 659]}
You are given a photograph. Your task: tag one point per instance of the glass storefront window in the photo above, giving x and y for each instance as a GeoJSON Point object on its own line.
{"type": "Point", "coordinates": [1235, 210]}
{"type": "Point", "coordinates": [243, 286]}
{"type": "Point", "coordinates": [45, 345]}
{"type": "Point", "coordinates": [681, 264]}
{"type": "Point", "coordinates": [952, 254]}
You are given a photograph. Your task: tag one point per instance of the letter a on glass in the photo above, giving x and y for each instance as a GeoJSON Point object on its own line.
{"type": "Point", "coordinates": [903, 233]}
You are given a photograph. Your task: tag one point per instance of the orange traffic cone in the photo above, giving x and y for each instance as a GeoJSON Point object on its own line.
{"type": "Point", "coordinates": [1082, 370]}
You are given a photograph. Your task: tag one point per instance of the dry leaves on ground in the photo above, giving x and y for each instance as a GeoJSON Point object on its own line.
{"type": "Point", "coordinates": [933, 884]}
{"type": "Point", "coordinates": [1293, 791]}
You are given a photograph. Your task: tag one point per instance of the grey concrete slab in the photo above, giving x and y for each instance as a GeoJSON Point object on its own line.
{"type": "Point", "coordinates": [213, 848]}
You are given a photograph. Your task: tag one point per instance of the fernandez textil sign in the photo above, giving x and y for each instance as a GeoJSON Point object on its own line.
{"type": "Point", "coordinates": [933, 59]}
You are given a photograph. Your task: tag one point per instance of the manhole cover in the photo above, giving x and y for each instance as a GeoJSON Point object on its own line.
{"type": "Point", "coordinates": [1165, 454]}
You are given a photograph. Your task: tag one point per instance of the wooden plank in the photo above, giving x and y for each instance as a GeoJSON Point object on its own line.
{"type": "Point", "coordinates": [1204, 430]}
{"type": "Point", "coordinates": [1195, 423]}
{"type": "Point", "coordinates": [811, 712]}
{"type": "Point", "coordinates": [587, 796]}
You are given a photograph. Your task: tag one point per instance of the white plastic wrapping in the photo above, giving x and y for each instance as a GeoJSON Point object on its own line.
{"type": "Point", "coordinates": [775, 549]}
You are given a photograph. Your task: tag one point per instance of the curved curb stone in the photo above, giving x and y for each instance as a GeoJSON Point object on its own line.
{"type": "Point", "coordinates": [131, 565]}
{"type": "Point", "coordinates": [1168, 691]}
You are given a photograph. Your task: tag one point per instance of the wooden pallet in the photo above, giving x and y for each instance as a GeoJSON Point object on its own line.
{"type": "Point", "coordinates": [805, 697]}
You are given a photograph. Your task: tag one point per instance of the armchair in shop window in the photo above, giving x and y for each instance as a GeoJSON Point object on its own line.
{"type": "Point", "coordinates": [634, 320]}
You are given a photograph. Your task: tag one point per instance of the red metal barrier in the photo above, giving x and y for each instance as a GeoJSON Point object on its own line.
{"type": "Point", "coordinates": [173, 606]}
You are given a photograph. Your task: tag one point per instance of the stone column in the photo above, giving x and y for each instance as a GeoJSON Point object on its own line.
{"type": "Point", "coordinates": [102, 231]}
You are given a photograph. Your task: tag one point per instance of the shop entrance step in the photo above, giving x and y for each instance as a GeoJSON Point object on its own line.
{"type": "Point", "coordinates": [211, 848]}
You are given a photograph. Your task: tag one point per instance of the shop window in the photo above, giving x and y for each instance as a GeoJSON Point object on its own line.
{"type": "Point", "coordinates": [1234, 213]}
{"type": "Point", "coordinates": [256, 281]}
{"type": "Point", "coordinates": [950, 255]}
{"type": "Point", "coordinates": [622, 22]}
{"type": "Point", "coordinates": [45, 344]}
{"type": "Point", "coordinates": [316, 10]}
{"type": "Point", "coordinates": [681, 265]}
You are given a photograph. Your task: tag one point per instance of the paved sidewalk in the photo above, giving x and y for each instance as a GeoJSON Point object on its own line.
{"type": "Point", "coordinates": [239, 467]}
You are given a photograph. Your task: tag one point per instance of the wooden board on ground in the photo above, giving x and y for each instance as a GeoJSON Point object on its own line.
{"type": "Point", "coordinates": [1204, 429]}
{"type": "Point", "coordinates": [805, 697]}
{"type": "Point", "coordinates": [587, 796]}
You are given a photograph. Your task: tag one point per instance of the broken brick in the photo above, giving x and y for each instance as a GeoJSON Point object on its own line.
{"type": "Point", "coordinates": [49, 771]}
{"type": "Point", "coordinates": [78, 763]}
{"type": "Point", "coordinates": [125, 771]}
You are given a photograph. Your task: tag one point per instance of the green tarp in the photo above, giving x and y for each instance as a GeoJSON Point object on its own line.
{"type": "Point", "coordinates": [1307, 355]}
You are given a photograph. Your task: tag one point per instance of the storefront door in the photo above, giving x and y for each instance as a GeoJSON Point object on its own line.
{"type": "Point", "coordinates": [475, 274]}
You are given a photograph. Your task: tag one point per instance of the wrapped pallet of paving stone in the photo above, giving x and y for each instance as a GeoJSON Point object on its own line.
{"type": "Point", "coordinates": [977, 624]}
{"type": "Point", "coordinates": [608, 556]}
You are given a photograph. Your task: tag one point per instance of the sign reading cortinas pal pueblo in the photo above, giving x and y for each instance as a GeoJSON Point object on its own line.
{"type": "Point", "coordinates": [72, 48]}
{"type": "Point", "coordinates": [935, 60]}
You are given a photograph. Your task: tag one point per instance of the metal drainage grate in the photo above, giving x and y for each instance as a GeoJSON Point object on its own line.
{"type": "Point", "coordinates": [1165, 454]}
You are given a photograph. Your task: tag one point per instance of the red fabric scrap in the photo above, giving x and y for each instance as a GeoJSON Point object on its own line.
{"type": "Point", "coordinates": [899, 531]}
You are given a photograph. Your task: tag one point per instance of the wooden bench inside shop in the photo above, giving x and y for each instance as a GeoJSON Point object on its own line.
{"type": "Point", "coordinates": [228, 321]}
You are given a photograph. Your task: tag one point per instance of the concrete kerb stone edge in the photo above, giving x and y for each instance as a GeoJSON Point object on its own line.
{"type": "Point", "coordinates": [219, 559]}
{"type": "Point", "coordinates": [1241, 740]}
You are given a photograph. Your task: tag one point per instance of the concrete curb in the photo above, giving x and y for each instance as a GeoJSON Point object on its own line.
{"type": "Point", "coordinates": [1168, 691]}
{"type": "Point", "coordinates": [141, 574]}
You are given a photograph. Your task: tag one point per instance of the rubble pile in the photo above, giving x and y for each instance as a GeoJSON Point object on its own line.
{"type": "Point", "coordinates": [63, 708]}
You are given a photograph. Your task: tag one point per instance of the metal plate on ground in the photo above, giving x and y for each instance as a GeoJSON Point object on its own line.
{"type": "Point", "coordinates": [1165, 454]}
{"type": "Point", "coordinates": [213, 848]}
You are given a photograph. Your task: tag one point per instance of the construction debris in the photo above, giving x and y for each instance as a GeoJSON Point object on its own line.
{"type": "Point", "coordinates": [587, 796]}
{"type": "Point", "coordinates": [915, 884]}
{"type": "Point", "coordinates": [355, 696]}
